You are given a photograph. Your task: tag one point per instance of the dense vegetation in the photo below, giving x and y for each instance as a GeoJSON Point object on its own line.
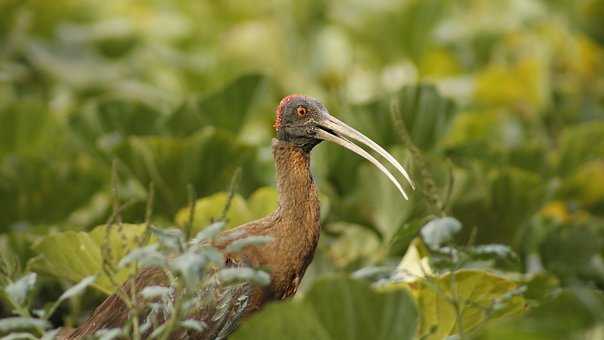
{"type": "Point", "coordinates": [130, 127]}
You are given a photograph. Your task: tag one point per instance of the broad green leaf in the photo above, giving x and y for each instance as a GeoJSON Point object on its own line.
{"type": "Point", "coordinates": [480, 295]}
{"type": "Point", "coordinates": [379, 203]}
{"type": "Point", "coordinates": [226, 108]}
{"type": "Point", "coordinates": [207, 160]}
{"type": "Point", "coordinates": [27, 128]}
{"type": "Point", "coordinates": [580, 144]}
{"type": "Point", "coordinates": [520, 84]}
{"type": "Point", "coordinates": [510, 201]}
{"type": "Point", "coordinates": [211, 208]}
{"type": "Point", "coordinates": [499, 204]}
{"type": "Point", "coordinates": [574, 252]}
{"type": "Point", "coordinates": [586, 185]}
{"type": "Point", "coordinates": [44, 188]}
{"type": "Point", "coordinates": [336, 308]}
{"type": "Point", "coordinates": [477, 135]}
{"type": "Point", "coordinates": [354, 243]}
{"type": "Point", "coordinates": [69, 255]}
{"type": "Point", "coordinates": [74, 256]}
{"type": "Point", "coordinates": [427, 115]}
{"type": "Point", "coordinates": [263, 202]}
{"type": "Point", "coordinates": [572, 314]}
{"type": "Point", "coordinates": [208, 209]}
{"type": "Point", "coordinates": [106, 123]}
{"type": "Point", "coordinates": [122, 238]}
{"type": "Point", "coordinates": [405, 235]}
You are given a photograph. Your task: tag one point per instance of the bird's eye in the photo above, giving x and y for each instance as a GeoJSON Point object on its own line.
{"type": "Point", "coordinates": [301, 111]}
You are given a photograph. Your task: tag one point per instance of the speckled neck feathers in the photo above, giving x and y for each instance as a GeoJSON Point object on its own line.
{"type": "Point", "coordinates": [298, 197]}
{"type": "Point", "coordinates": [297, 224]}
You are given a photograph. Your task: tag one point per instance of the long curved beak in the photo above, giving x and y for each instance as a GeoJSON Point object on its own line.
{"type": "Point", "coordinates": [335, 131]}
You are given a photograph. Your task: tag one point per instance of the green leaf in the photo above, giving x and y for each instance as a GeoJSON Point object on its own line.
{"type": "Point", "coordinates": [69, 255]}
{"type": "Point", "coordinates": [427, 115]}
{"type": "Point", "coordinates": [571, 314]}
{"type": "Point", "coordinates": [354, 243]}
{"type": "Point", "coordinates": [211, 208]}
{"type": "Point", "coordinates": [74, 256]}
{"type": "Point", "coordinates": [263, 202]}
{"type": "Point", "coordinates": [479, 294]}
{"type": "Point", "coordinates": [405, 235]}
{"type": "Point", "coordinates": [580, 144]}
{"type": "Point", "coordinates": [379, 203]}
{"type": "Point", "coordinates": [207, 160]}
{"type": "Point", "coordinates": [208, 209]}
{"type": "Point", "coordinates": [226, 108]}
{"type": "Point", "coordinates": [110, 120]}
{"type": "Point", "coordinates": [122, 238]}
{"type": "Point", "coordinates": [336, 308]}
{"type": "Point", "coordinates": [44, 188]}
{"type": "Point", "coordinates": [27, 128]}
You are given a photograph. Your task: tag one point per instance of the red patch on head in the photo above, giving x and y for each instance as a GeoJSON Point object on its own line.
{"type": "Point", "coordinates": [279, 111]}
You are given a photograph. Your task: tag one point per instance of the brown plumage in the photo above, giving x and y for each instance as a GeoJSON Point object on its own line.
{"type": "Point", "coordinates": [301, 123]}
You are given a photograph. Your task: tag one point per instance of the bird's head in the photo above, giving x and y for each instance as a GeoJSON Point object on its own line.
{"type": "Point", "coordinates": [305, 122]}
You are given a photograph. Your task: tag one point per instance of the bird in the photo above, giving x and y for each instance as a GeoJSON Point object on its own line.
{"type": "Point", "coordinates": [301, 123]}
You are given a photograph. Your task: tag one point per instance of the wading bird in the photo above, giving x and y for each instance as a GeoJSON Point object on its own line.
{"type": "Point", "coordinates": [301, 123]}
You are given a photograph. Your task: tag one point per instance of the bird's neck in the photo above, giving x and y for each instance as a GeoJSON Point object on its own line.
{"type": "Point", "coordinates": [298, 197]}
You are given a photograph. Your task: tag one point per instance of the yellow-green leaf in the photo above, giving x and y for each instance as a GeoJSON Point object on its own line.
{"type": "Point", "coordinates": [476, 293]}
{"type": "Point", "coordinates": [74, 255]}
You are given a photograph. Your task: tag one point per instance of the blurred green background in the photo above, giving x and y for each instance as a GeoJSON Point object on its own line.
{"type": "Point", "coordinates": [503, 99]}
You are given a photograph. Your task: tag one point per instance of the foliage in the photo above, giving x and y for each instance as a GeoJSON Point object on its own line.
{"type": "Point", "coordinates": [318, 315]}
{"type": "Point", "coordinates": [496, 108]}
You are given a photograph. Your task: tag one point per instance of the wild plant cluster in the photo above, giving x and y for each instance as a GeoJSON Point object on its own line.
{"type": "Point", "coordinates": [196, 280]}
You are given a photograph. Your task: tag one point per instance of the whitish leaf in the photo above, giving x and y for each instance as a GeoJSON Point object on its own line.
{"type": "Point", "coordinates": [17, 291]}
{"type": "Point", "coordinates": [190, 265]}
{"type": "Point", "coordinates": [238, 245]}
{"type": "Point", "coordinates": [21, 323]}
{"type": "Point", "coordinates": [146, 256]}
{"type": "Point", "coordinates": [108, 334]}
{"type": "Point", "coordinates": [244, 274]}
{"type": "Point", "coordinates": [208, 232]}
{"type": "Point", "coordinates": [498, 250]}
{"type": "Point", "coordinates": [78, 288]}
{"type": "Point", "coordinates": [193, 324]}
{"type": "Point", "coordinates": [171, 238]}
{"type": "Point", "coordinates": [440, 231]}
{"type": "Point", "coordinates": [19, 336]}
{"type": "Point", "coordinates": [152, 292]}
{"type": "Point", "coordinates": [51, 335]}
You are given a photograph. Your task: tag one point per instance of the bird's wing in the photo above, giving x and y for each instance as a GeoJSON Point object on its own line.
{"type": "Point", "coordinates": [221, 307]}
{"type": "Point", "coordinates": [233, 304]}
